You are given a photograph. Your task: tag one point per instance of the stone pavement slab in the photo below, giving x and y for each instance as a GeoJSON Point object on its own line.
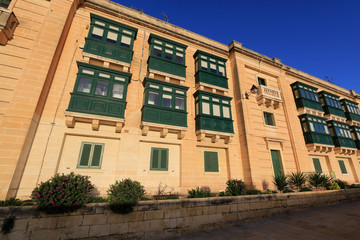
{"type": "Point", "coordinates": [337, 222]}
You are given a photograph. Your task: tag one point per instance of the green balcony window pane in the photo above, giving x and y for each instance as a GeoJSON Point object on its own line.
{"type": "Point", "coordinates": [102, 88]}
{"type": "Point", "coordinates": [84, 85]}
{"type": "Point", "coordinates": [342, 167]}
{"type": "Point", "coordinates": [85, 155]}
{"type": "Point", "coordinates": [211, 163]}
{"type": "Point", "coordinates": [118, 91]}
{"type": "Point", "coordinates": [317, 165]}
{"type": "Point", "coordinates": [96, 156]}
{"type": "Point", "coordinates": [164, 159]}
{"type": "Point", "coordinates": [179, 103]}
{"type": "Point", "coordinates": [166, 100]}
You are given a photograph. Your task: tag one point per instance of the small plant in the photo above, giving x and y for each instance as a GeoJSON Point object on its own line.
{"type": "Point", "coordinates": [342, 184]}
{"type": "Point", "coordinates": [297, 179]}
{"type": "Point", "coordinates": [199, 193]}
{"type": "Point", "coordinates": [8, 224]}
{"type": "Point", "coordinates": [333, 186]}
{"type": "Point", "coordinates": [124, 194]}
{"type": "Point", "coordinates": [305, 189]}
{"type": "Point", "coordinates": [11, 202]}
{"type": "Point", "coordinates": [325, 181]}
{"type": "Point", "coordinates": [355, 185]}
{"type": "Point", "coordinates": [316, 180]}
{"type": "Point", "coordinates": [253, 192]}
{"type": "Point", "coordinates": [281, 182]}
{"type": "Point", "coordinates": [235, 187]}
{"type": "Point", "coordinates": [162, 194]}
{"type": "Point", "coordinates": [63, 193]}
{"type": "Point", "coordinates": [98, 200]}
{"type": "Point", "coordinates": [288, 190]}
{"type": "Point", "coordinates": [268, 191]}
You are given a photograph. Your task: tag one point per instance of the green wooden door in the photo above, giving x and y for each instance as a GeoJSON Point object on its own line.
{"type": "Point", "coordinates": [276, 160]}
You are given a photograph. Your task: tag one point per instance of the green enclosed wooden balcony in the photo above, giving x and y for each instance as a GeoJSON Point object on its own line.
{"type": "Point", "coordinates": [99, 91]}
{"type": "Point", "coordinates": [355, 131]}
{"type": "Point", "coordinates": [306, 97]}
{"type": "Point", "coordinates": [109, 39]}
{"type": "Point", "coordinates": [352, 111]}
{"type": "Point", "coordinates": [5, 3]}
{"type": "Point", "coordinates": [213, 116]}
{"type": "Point", "coordinates": [164, 107]}
{"type": "Point", "coordinates": [341, 134]}
{"type": "Point", "coordinates": [166, 58]}
{"type": "Point", "coordinates": [331, 104]}
{"type": "Point", "coordinates": [316, 132]}
{"type": "Point", "coordinates": [210, 70]}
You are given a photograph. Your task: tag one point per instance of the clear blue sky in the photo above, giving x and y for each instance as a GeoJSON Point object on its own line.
{"type": "Point", "coordinates": [319, 37]}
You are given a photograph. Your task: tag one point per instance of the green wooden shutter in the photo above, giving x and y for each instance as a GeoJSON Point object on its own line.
{"type": "Point", "coordinates": [317, 165]}
{"type": "Point", "coordinates": [342, 167]}
{"type": "Point", "coordinates": [85, 155]}
{"type": "Point", "coordinates": [211, 161]}
{"type": "Point", "coordinates": [275, 155]}
{"type": "Point", "coordinates": [154, 158]}
{"type": "Point", "coordinates": [96, 155]}
{"type": "Point", "coordinates": [164, 159]}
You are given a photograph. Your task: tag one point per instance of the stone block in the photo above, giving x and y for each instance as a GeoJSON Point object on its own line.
{"type": "Point", "coordinates": [243, 206]}
{"type": "Point", "coordinates": [230, 217]}
{"type": "Point", "coordinates": [69, 221]}
{"type": "Point", "coordinates": [131, 217]}
{"type": "Point", "coordinates": [99, 230]}
{"type": "Point", "coordinates": [209, 210]}
{"type": "Point", "coordinates": [195, 211]}
{"type": "Point", "coordinates": [20, 225]}
{"type": "Point", "coordinates": [172, 223]}
{"type": "Point", "coordinates": [158, 225]}
{"type": "Point", "coordinates": [75, 232]}
{"type": "Point", "coordinates": [45, 234]}
{"type": "Point", "coordinates": [42, 223]}
{"type": "Point", "coordinates": [158, 214]}
{"type": "Point", "coordinates": [138, 226]}
{"type": "Point", "coordinates": [119, 228]}
{"type": "Point", "coordinates": [97, 219]}
{"type": "Point", "coordinates": [223, 208]}
{"type": "Point", "coordinates": [172, 213]}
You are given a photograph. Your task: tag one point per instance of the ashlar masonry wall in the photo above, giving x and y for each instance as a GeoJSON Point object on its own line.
{"type": "Point", "coordinates": [159, 219]}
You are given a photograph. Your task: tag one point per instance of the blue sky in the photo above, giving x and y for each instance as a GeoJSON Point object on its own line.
{"type": "Point", "coordinates": [319, 37]}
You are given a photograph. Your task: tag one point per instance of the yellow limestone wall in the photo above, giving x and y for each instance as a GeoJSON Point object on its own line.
{"type": "Point", "coordinates": [38, 72]}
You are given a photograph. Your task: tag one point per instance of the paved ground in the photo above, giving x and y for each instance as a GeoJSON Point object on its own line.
{"type": "Point", "coordinates": [329, 223]}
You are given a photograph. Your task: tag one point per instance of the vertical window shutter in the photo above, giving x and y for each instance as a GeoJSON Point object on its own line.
{"type": "Point", "coordinates": [317, 165]}
{"type": "Point", "coordinates": [275, 155]}
{"type": "Point", "coordinates": [85, 155]}
{"type": "Point", "coordinates": [207, 156]}
{"type": "Point", "coordinates": [164, 159]}
{"type": "Point", "coordinates": [96, 156]}
{"type": "Point", "coordinates": [155, 158]}
{"type": "Point", "coordinates": [214, 162]}
{"type": "Point", "coordinates": [342, 167]}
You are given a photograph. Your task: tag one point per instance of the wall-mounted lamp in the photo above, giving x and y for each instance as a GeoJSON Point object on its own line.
{"type": "Point", "coordinates": [253, 90]}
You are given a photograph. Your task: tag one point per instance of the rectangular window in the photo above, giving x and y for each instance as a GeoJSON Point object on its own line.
{"type": "Point", "coordinates": [153, 98]}
{"type": "Point", "coordinates": [276, 160]}
{"type": "Point", "coordinates": [226, 112]}
{"type": "Point", "coordinates": [166, 100]}
{"type": "Point", "coordinates": [90, 155]}
{"type": "Point", "coordinates": [159, 159]}
{"type": "Point", "coordinates": [205, 108]}
{"type": "Point", "coordinates": [261, 81]}
{"type": "Point", "coordinates": [317, 165]}
{"type": "Point", "coordinates": [342, 167]}
{"type": "Point", "coordinates": [216, 110]}
{"type": "Point", "coordinates": [269, 119]}
{"type": "Point", "coordinates": [84, 85]}
{"type": "Point", "coordinates": [101, 88]}
{"type": "Point", "coordinates": [118, 91]}
{"type": "Point", "coordinates": [179, 103]}
{"type": "Point", "coordinates": [211, 161]}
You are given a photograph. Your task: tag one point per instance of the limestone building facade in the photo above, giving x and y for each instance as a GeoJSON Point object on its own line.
{"type": "Point", "coordinates": [96, 88]}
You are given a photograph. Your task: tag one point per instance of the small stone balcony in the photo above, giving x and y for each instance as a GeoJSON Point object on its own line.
{"type": "Point", "coordinates": [268, 96]}
{"type": "Point", "coordinates": [8, 23]}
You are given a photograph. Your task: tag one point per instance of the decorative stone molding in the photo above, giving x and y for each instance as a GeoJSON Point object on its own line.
{"type": "Point", "coordinates": [72, 117]}
{"type": "Point", "coordinates": [268, 96]}
{"type": "Point", "coordinates": [106, 61]}
{"type": "Point", "coordinates": [215, 136]}
{"type": "Point", "coordinates": [8, 23]}
{"type": "Point", "coordinates": [319, 148]}
{"type": "Point", "coordinates": [336, 118]}
{"type": "Point", "coordinates": [314, 112]}
{"type": "Point", "coordinates": [167, 76]}
{"type": "Point", "coordinates": [353, 123]}
{"type": "Point", "coordinates": [214, 89]}
{"type": "Point", "coordinates": [278, 140]}
{"type": "Point", "coordinates": [163, 129]}
{"type": "Point", "coordinates": [345, 151]}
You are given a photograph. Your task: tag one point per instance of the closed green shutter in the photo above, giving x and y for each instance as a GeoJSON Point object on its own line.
{"type": "Point", "coordinates": [342, 167]}
{"type": "Point", "coordinates": [211, 161]}
{"type": "Point", "coordinates": [317, 165]}
{"type": "Point", "coordinates": [275, 155]}
{"type": "Point", "coordinates": [85, 155]}
{"type": "Point", "coordinates": [159, 159]}
{"type": "Point", "coordinates": [96, 156]}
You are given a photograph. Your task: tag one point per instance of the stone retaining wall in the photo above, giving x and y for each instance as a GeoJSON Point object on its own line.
{"type": "Point", "coordinates": [159, 219]}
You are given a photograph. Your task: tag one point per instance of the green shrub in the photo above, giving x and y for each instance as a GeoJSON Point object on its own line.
{"type": "Point", "coordinates": [11, 202]}
{"type": "Point", "coordinates": [124, 194]}
{"type": "Point", "coordinates": [63, 193]}
{"type": "Point", "coordinates": [355, 185]}
{"type": "Point", "coordinates": [305, 189]}
{"type": "Point", "coordinates": [333, 186]}
{"type": "Point", "coordinates": [297, 179]}
{"type": "Point", "coordinates": [280, 182]}
{"type": "Point", "coordinates": [253, 192]}
{"type": "Point", "coordinates": [326, 181]}
{"type": "Point", "coordinates": [199, 193]}
{"type": "Point", "coordinates": [8, 224]}
{"type": "Point", "coordinates": [316, 179]}
{"type": "Point", "coordinates": [98, 200]}
{"type": "Point", "coordinates": [235, 187]}
{"type": "Point", "coordinates": [342, 184]}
